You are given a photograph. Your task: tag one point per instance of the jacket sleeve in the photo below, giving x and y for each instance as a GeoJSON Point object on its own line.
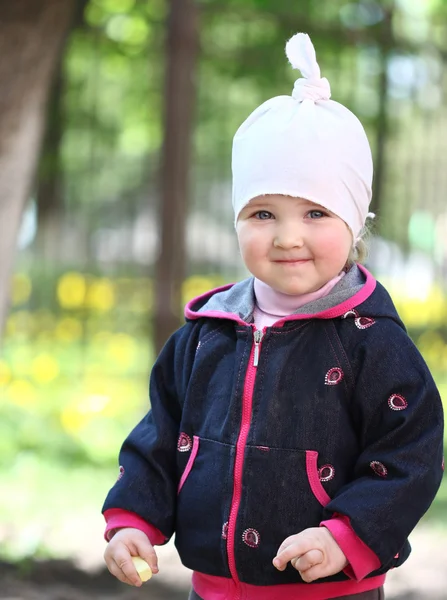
{"type": "Point", "coordinates": [399, 416]}
{"type": "Point", "coordinates": [118, 519]}
{"type": "Point", "coordinates": [147, 482]}
{"type": "Point", "coordinates": [361, 559]}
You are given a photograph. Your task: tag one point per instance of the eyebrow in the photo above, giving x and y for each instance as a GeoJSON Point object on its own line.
{"type": "Point", "coordinates": [259, 204]}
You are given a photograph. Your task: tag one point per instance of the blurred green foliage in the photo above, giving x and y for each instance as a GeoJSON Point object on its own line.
{"type": "Point", "coordinates": [74, 375]}
{"type": "Point", "coordinates": [113, 74]}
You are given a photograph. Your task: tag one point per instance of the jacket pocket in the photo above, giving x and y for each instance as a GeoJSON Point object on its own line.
{"type": "Point", "coordinates": [316, 475]}
{"type": "Point", "coordinates": [282, 496]}
{"type": "Point", "coordinates": [190, 463]}
{"type": "Point", "coordinates": [203, 505]}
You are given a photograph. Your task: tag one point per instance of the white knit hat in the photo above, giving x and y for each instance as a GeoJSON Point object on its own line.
{"type": "Point", "coordinates": [306, 146]}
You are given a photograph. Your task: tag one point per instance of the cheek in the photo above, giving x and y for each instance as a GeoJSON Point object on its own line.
{"type": "Point", "coordinates": [335, 244]}
{"type": "Point", "coordinates": [252, 245]}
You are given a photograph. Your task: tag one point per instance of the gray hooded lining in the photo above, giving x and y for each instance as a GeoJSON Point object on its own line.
{"type": "Point", "coordinates": [240, 298]}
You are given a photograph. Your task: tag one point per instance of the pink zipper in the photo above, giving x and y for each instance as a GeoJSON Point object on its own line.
{"type": "Point", "coordinates": [247, 403]}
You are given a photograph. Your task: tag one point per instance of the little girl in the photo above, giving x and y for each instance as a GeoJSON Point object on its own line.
{"type": "Point", "coordinates": [295, 433]}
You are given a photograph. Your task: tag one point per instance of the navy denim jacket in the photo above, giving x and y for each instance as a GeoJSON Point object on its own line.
{"type": "Point", "coordinates": [253, 437]}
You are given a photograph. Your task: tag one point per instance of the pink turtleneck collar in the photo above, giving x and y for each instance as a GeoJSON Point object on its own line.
{"type": "Point", "coordinates": [272, 305]}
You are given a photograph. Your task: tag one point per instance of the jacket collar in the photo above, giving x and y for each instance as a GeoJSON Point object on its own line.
{"type": "Point", "coordinates": [236, 301]}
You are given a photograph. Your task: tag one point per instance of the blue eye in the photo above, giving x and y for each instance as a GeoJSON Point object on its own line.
{"type": "Point", "coordinates": [263, 215]}
{"type": "Point", "coordinates": [316, 214]}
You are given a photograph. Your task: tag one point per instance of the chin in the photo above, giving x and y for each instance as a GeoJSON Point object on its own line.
{"type": "Point", "coordinates": [295, 290]}
{"type": "Point", "coordinates": [301, 287]}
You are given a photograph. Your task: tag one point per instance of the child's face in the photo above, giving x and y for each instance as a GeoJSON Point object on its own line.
{"type": "Point", "coordinates": [293, 245]}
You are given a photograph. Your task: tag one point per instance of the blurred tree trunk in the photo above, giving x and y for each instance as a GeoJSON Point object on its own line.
{"type": "Point", "coordinates": [49, 192]}
{"type": "Point", "coordinates": [32, 34]}
{"type": "Point", "coordinates": [180, 97]}
{"type": "Point", "coordinates": [50, 185]}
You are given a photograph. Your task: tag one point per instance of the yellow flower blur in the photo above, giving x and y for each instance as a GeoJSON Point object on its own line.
{"type": "Point", "coordinates": [44, 369]}
{"type": "Point", "coordinates": [195, 286]}
{"type": "Point", "coordinates": [72, 419]}
{"type": "Point", "coordinates": [68, 330]}
{"type": "Point", "coordinates": [101, 295]}
{"type": "Point", "coordinates": [21, 289]}
{"type": "Point", "coordinates": [71, 290]}
{"type": "Point", "coordinates": [5, 373]}
{"type": "Point", "coordinates": [122, 350]}
{"type": "Point", "coordinates": [22, 393]}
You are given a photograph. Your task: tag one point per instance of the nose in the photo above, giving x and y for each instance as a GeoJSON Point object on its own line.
{"type": "Point", "coordinates": [288, 236]}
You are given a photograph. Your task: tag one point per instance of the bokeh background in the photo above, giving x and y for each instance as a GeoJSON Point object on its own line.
{"type": "Point", "coordinates": [115, 209]}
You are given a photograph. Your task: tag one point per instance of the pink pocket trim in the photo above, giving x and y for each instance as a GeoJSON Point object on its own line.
{"type": "Point", "coordinates": [189, 464]}
{"type": "Point", "coordinates": [314, 479]}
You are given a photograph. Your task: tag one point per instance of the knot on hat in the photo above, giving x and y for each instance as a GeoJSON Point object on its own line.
{"type": "Point", "coordinates": [301, 54]}
{"type": "Point", "coordinates": [306, 89]}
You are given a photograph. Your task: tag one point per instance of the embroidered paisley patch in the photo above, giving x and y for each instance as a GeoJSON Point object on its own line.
{"type": "Point", "coordinates": [333, 376]}
{"type": "Point", "coordinates": [251, 537]}
{"type": "Point", "coordinates": [360, 322]}
{"type": "Point", "coordinates": [378, 468]}
{"type": "Point", "coordinates": [363, 322]}
{"type": "Point", "coordinates": [184, 443]}
{"type": "Point", "coordinates": [397, 402]}
{"type": "Point", "coordinates": [326, 473]}
{"type": "Point", "coordinates": [225, 530]}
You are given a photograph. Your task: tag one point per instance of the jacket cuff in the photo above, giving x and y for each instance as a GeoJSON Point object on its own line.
{"type": "Point", "coordinates": [362, 560]}
{"type": "Point", "coordinates": [117, 518]}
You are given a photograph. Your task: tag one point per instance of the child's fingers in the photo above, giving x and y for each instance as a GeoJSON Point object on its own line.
{"type": "Point", "coordinates": [124, 563]}
{"type": "Point", "coordinates": [117, 572]}
{"type": "Point", "coordinates": [146, 551]}
{"type": "Point", "coordinates": [282, 558]}
{"type": "Point", "coordinates": [307, 561]}
{"type": "Point", "coordinates": [286, 553]}
{"type": "Point", "coordinates": [314, 573]}
{"type": "Point", "coordinates": [280, 563]}
{"type": "Point", "coordinates": [286, 543]}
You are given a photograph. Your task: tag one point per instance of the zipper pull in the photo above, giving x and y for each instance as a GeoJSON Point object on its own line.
{"type": "Point", "coordinates": [258, 335]}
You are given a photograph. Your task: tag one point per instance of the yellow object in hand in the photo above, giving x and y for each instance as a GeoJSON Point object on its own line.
{"type": "Point", "coordinates": [143, 569]}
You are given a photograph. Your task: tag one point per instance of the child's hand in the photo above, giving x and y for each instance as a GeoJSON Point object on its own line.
{"type": "Point", "coordinates": [128, 542]}
{"type": "Point", "coordinates": [313, 552]}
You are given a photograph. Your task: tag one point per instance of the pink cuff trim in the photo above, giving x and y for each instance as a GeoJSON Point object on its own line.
{"type": "Point", "coordinates": [362, 560]}
{"type": "Point", "coordinates": [118, 518]}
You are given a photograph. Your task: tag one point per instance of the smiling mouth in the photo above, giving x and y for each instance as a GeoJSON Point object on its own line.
{"type": "Point", "coordinates": [293, 262]}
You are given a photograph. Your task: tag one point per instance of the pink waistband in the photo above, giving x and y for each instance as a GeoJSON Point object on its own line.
{"type": "Point", "coordinates": [210, 587]}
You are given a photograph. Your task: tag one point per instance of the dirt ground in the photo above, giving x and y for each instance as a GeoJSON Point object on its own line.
{"type": "Point", "coordinates": [423, 577]}
{"type": "Point", "coordinates": [60, 580]}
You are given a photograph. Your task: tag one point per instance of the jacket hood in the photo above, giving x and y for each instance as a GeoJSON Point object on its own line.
{"type": "Point", "coordinates": [358, 290]}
